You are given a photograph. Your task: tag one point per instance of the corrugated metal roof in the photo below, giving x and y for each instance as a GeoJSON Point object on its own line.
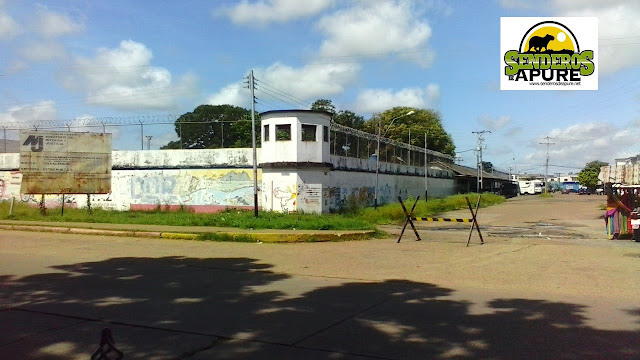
{"type": "Point", "coordinates": [460, 170]}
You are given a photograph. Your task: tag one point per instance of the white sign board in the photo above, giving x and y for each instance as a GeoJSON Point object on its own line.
{"type": "Point", "coordinates": [54, 162]}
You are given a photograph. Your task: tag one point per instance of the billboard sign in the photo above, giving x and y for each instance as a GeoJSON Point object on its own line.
{"type": "Point", "coordinates": [53, 162]}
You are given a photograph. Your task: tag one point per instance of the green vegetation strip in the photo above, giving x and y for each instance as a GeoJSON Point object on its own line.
{"type": "Point", "coordinates": [354, 217]}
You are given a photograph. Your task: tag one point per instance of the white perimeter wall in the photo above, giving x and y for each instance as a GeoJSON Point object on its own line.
{"type": "Point", "coordinates": [210, 180]}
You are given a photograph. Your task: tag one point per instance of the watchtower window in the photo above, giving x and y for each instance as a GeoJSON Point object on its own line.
{"type": "Point", "coordinates": [266, 133]}
{"type": "Point", "coordinates": [283, 132]}
{"type": "Point", "coordinates": [308, 132]}
{"type": "Point", "coordinates": [325, 133]}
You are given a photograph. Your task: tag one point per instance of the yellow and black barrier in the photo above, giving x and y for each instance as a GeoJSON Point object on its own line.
{"type": "Point", "coordinates": [441, 219]}
{"type": "Point", "coordinates": [411, 219]}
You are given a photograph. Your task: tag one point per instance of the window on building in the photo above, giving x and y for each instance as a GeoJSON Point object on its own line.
{"type": "Point", "coordinates": [283, 132]}
{"type": "Point", "coordinates": [308, 132]}
{"type": "Point", "coordinates": [325, 133]}
{"type": "Point", "coordinates": [266, 133]}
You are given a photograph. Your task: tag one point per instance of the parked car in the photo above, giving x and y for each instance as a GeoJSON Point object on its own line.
{"type": "Point", "coordinates": [584, 191]}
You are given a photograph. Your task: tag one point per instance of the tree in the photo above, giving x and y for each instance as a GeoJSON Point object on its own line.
{"type": "Point", "coordinates": [342, 117]}
{"type": "Point", "coordinates": [487, 166]}
{"type": "Point", "coordinates": [421, 122]}
{"type": "Point", "coordinates": [588, 176]}
{"type": "Point", "coordinates": [324, 105]}
{"type": "Point", "coordinates": [350, 119]}
{"type": "Point", "coordinates": [212, 127]}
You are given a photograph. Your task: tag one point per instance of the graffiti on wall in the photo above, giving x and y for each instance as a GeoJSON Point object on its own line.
{"type": "Point", "coordinates": [338, 197]}
{"type": "Point", "coordinates": [10, 184]}
{"type": "Point", "coordinates": [287, 196]}
{"type": "Point", "coordinates": [310, 197]}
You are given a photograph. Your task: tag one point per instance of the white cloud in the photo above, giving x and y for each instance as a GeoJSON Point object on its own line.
{"type": "Point", "coordinates": [233, 94]}
{"type": "Point", "coordinates": [617, 25]}
{"type": "Point", "coordinates": [43, 51]}
{"type": "Point", "coordinates": [518, 4]}
{"type": "Point", "coordinates": [578, 144]}
{"type": "Point", "coordinates": [8, 26]}
{"type": "Point", "coordinates": [50, 24]}
{"type": "Point", "coordinates": [616, 19]}
{"type": "Point", "coordinates": [495, 123]}
{"type": "Point", "coordinates": [375, 28]}
{"type": "Point", "coordinates": [18, 116]}
{"type": "Point", "coordinates": [89, 123]}
{"type": "Point", "coordinates": [306, 84]}
{"type": "Point", "coordinates": [266, 11]}
{"type": "Point", "coordinates": [377, 100]}
{"type": "Point", "coordinates": [124, 78]}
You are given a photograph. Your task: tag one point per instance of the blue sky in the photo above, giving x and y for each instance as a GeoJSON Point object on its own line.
{"type": "Point", "coordinates": [82, 59]}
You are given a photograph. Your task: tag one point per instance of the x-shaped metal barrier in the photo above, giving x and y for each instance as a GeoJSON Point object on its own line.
{"type": "Point", "coordinates": [411, 219]}
{"type": "Point", "coordinates": [107, 349]}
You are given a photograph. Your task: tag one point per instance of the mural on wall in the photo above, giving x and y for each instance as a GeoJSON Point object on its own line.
{"type": "Point", "coordinates": [221, 187]}
{"type": "Point", "coordinates": [194, 187]}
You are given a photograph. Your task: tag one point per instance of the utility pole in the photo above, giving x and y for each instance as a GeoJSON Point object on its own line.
{"type": "Point", "coordinates": [409, 151]}
{"type": "Point", "coordinates": [546, 166]}
{"type": "Point", "coordinates": [479, 157]}
{"type": "Point", "coordinates": [253, 143]}
{"type": "Point", "coordinates": [426, 169]}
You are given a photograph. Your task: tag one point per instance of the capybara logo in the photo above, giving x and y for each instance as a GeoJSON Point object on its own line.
{"type": "Point", "coordinates": [549, 56]}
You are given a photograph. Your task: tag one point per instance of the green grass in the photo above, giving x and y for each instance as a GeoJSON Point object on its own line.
{"type": "Point", "coordinates": [393, 213]}
{"type": "Point", "coordinates": [365, 219]}
{"type": "Point", "coordinates": [546, 195]}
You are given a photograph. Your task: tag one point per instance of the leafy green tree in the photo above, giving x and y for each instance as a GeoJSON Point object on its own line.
{"type": "Point", "coordinates": [487, 166]}
{"type": "Point", "coordinates": [421, 122]}
{"type": "Point", "coordinates": [342, 117]}
{"type": "Point", "coordinates": [589, 175]}
{"type": "Point", "coordinates": [214, 126]}
{"type": "Point", "coordinates": [350, 119]}
{"type": "Point", "coordinates": [324, 105]}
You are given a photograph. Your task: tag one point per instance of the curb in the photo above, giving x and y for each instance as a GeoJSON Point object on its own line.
{"type": "Point", "coordinates": [265, 237]}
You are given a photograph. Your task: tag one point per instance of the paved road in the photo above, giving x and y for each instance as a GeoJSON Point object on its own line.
{"type": "Point", "coordinates": [558, 290]}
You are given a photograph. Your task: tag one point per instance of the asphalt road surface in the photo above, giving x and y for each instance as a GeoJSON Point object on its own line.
{"type": "Point", "coordinates": [546, 284]}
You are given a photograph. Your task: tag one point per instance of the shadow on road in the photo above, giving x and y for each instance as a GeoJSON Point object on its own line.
{"type": "Point", "coordinates": [239, 308]}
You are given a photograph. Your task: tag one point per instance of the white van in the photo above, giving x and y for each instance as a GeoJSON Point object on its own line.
{"type": "Point", "coordinates": [530, 187]}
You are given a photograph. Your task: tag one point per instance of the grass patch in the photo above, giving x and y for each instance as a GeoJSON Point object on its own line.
{"type": "Point", "coordinates": [366, 219]}
{"type": "Point", "coordinates": [546, 195]}
{"type": "Point", "coordinates": [226, 237]}
{"type": "Point", "coordinates": [392, 213]}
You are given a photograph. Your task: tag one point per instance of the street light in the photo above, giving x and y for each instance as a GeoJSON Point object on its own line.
{"type": "Point", "coordinates": [375, 199]}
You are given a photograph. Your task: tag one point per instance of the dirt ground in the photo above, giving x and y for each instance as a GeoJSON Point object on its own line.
{"type": "Point", "coordinates": [546, 284]}
{"type": "Point", "coordinates": [564, 218]}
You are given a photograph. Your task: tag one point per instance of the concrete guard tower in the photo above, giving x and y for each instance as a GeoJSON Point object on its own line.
{"type": "Point", "coordinates": [295, 160]}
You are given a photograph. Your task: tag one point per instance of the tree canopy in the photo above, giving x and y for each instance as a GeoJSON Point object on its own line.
{"type": "Point", "coordinates": [342, 117]}
{"type": "Point", "coordinates": [487, 166]}
{"type": "Point", "coordinates": [395, 124]}
{"type": "Point", "coordinates": [228, 126]}
{"type": "Point", "coordinates": [213, 126]}
{"type": "Point", "coordinates": [324, 105]}
{"type": "Point", "coordinates": [589, 175]}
